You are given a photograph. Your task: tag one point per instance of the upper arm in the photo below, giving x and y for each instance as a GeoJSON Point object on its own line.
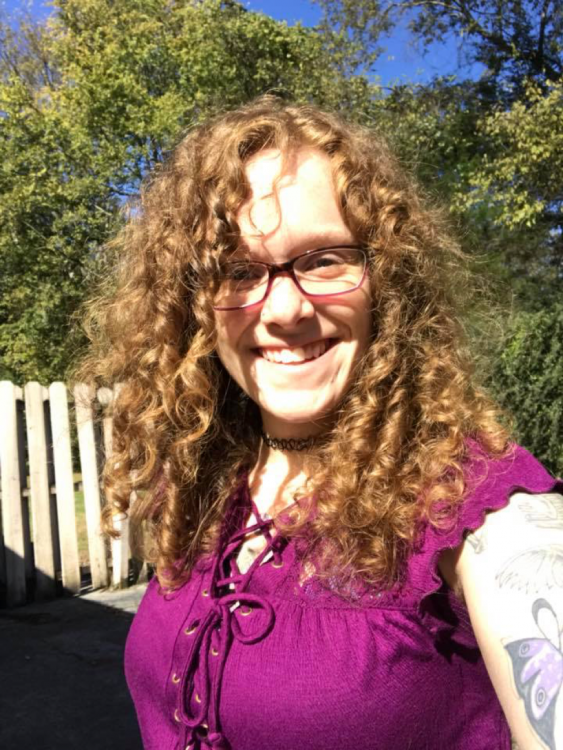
{"type": "Point", "coordinates": [511, 575]}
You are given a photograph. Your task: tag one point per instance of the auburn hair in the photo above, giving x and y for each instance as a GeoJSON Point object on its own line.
{"type": "Point", "coordinates": [183, 430]}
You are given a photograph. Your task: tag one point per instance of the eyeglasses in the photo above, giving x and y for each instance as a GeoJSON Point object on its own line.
{"type": "Point", "coordinates": [328, 271]}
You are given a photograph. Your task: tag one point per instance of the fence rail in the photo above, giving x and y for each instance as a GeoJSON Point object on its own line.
{"type": "Point", "coordinates": [39, 544]}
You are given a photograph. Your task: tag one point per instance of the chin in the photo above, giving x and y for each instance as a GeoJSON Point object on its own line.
{"type": "Point", "coordinates": [297, 409]}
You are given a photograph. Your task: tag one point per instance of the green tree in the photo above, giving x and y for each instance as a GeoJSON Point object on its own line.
{"type": "Point", "coordinates": [528, 380]}
{"type": "Point", "coordinates": [90, 101]}
{"type": "Point", "coordinates": [491, 146]}
{"type": "Point", "coordinates": [513, 39]}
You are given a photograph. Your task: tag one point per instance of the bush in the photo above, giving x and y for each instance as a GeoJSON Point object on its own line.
{"type": "Point", "coordinates": [527, 380]}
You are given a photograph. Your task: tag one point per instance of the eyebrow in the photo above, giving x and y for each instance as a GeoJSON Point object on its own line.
{"type": "Point", "coordinates": [313, 242]}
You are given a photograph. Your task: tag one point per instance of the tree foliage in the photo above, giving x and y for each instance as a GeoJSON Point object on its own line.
{"type": "Point", "coordinates": [90, 101]}
{"type": "Point", "coordinates": [513, 39]}
{"type": "Point", "coordinates": [528, 380]}
{"type": "Point", "coordinates": [491, 146]}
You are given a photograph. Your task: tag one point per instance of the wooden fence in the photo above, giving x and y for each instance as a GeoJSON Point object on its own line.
{"type": "Point", "coordinates": [39, 544]}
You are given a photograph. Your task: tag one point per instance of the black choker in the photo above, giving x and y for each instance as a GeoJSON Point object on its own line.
{"type": "Point", "coordinates": [290, 444]}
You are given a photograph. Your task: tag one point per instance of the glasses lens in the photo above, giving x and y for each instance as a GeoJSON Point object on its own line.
{"type": "Point", "coordinates": [241, 283]}
{"type": "Point", "coordinates": [330, 271]}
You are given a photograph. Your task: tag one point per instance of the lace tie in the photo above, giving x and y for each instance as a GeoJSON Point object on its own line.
{"type": "Point", "coordinates": [221, 616]}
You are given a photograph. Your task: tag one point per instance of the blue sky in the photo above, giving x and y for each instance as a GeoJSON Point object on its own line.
{"type": "Point", "coordinates": [401, 61]}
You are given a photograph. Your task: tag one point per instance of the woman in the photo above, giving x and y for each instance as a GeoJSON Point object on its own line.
{"type": "Point", "coordinates": [349, 551]}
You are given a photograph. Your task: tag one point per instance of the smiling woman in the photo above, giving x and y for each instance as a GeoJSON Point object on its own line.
{"type": "Point", "coordinates": [313, 462]}
{"type": "Point", "coordinates": [295, 349]}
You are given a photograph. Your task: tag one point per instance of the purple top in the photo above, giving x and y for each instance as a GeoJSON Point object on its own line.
{"type": "Point", "coordinates": [266, 659]}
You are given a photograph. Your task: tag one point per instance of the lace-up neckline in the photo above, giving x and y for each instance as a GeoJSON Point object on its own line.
{"type": "Point", "coordinates": [199, 685]}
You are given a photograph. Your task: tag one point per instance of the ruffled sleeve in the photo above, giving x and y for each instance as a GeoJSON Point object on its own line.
{"type": "Point", "coordinates": [490, 484]}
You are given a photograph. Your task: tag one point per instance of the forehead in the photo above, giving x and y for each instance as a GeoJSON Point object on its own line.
{"type": "Point", "coordinates": [271, 171]}
{"type": "Point", "coordinates": [293, 202]}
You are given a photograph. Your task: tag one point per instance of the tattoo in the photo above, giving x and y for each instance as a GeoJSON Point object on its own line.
{"type": "Point", "coordinates": [537, 665]}
{"type": "Point", "coordinates": [544, 511]}
{"type": "Point", "coordinates": [534, 570]}
{"type": "Point", "coordinates": [477, 540]}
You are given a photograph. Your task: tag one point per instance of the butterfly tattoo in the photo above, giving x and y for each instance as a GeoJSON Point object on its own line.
{"type": "Point", "coordinates": [537, 665]}
{"type": "Point", "coordinates": [534, 570]}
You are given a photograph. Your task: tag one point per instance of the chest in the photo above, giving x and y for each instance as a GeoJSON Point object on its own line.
{"type": "Point", "coordinates": [251, 547]}
{"type": "Point", "coordinates": [317, 676]}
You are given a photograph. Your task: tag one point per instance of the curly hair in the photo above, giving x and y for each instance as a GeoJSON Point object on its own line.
{"type": "Point", "coordinates": [183, 429]}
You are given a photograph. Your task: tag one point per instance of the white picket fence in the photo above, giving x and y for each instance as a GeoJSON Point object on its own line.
{"type": "Point", "coordinates": [38, 534]}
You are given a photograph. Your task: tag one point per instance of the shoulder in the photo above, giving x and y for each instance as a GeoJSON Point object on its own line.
{"type": "Point", "coordinates": [510, 572]}
{"type": "Point", "coordinates": [503, 496]}
{"type": "Point", "coordinates": [494, 485]}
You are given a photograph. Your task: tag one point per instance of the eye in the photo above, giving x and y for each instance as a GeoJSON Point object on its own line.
{"type": "Point", "coordinates": [321, 260]}
{"type": "Point", "coordinates": [243, 273]}
{"type": "Point", "coordinates": [325, 262]}
{"type": "Point", "coordinates": [540, 697]}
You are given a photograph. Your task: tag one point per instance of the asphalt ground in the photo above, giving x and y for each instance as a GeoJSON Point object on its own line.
{"type": "Point", "coordinates": [61, 667]}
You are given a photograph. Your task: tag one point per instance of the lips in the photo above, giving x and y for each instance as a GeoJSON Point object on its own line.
{"type": "Point", "coordinates": [297, 354]}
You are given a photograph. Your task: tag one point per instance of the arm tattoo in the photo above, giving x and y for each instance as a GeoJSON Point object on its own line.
{"type": "Point", "coordinates": [534, 570]}
{"type": "Point", "coordinates": [544, 511]}
{"type": "Point", "coordinates": [477, 539]}
{"type": "Point", "coordinates": [537, 665]}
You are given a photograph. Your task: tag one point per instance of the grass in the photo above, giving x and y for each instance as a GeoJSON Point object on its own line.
{"type": "Point", "coordinates": [81, 528]}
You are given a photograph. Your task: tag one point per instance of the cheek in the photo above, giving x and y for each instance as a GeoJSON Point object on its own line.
{"type": "Point", "coordinates": [228, 335]}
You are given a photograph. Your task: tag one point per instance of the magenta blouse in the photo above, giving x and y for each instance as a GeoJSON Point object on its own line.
{"type": "Point", "coordinates": [268, 660]}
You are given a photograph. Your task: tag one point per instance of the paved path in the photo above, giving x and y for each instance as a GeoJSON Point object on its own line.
{"type": "Point", "coordinates": [61, 665]}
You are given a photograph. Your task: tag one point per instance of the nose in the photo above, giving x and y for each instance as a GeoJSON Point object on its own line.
{"type": "Point", "coordinates": [285, 304]}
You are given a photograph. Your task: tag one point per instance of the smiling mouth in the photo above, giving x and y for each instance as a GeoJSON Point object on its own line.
{"type": "Point", "coordinates": [296, 355]}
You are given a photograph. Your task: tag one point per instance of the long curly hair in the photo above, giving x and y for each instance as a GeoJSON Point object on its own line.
{"type": "Point", "coordinates": [183, 430]}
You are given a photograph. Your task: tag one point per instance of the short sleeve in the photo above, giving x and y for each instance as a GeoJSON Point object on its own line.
{"type": "Point", "coordinates": [490, 484]}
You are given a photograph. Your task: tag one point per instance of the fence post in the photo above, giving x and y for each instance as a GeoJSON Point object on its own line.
{"type": "Point", "coordinates": [12, 510]}
{"type": "Point", "coordinates": [83, 397]}
{"type": "Point", "coordinates": [64, 484]}
{"type": "Point", "coordinates": [43, 522]}
{"type": "Point", "coordinates": [119, 547]}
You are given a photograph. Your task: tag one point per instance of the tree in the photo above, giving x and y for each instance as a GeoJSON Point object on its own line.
{"type": "Point", "coordinates": [512, 39]}
{"type": "Point", "coordinates": [528, 380]}
{"type": "Point", "coordinates": [491, 146]}
{"type": "Point", "coordinates": [90, 101]}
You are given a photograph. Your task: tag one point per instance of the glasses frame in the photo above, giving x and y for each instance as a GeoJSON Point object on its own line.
{"type": "Point", "coordinates": [274, 269]}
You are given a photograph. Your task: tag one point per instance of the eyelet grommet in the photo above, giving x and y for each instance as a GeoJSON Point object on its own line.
{"type": "Point", "coordinates": [176, 716]}
{"type": "Point", "coordinates": [175, 678]}
{"type": "Point", "coordinates": [205, 592]}
{"type": "Point", "coordinates": [197, 698]}
{"type": "Point", "coordinates": [277, 565]}
{"type": "Point", "coordinates": [214, 651]}
{"type": "Point", "coordinates": [191, 629]}
{"type": "Point", "coordinates": [246, 612]}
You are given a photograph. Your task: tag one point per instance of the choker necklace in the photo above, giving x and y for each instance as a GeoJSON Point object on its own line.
{"type": "Point", "coordinates": [290, 444]}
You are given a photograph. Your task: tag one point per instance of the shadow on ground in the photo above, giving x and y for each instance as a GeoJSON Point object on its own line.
{"type": "Point", "coordinates": [62, 684]}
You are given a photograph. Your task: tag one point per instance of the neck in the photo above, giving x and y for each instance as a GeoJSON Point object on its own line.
{"type": "Point", "coordinates": [289, 462]}
{"type": "Point", "coordinates": [275, 477]}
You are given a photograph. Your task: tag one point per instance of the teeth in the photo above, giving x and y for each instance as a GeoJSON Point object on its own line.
{"type": "Point", "coordinates": [297, 354]}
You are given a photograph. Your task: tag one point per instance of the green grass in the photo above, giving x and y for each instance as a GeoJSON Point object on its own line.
{"type": "Point", "coordinates": [81, 528]}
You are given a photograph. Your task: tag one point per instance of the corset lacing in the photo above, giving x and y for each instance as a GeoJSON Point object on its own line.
{"type": "Point", "coordinates": [201, 728]}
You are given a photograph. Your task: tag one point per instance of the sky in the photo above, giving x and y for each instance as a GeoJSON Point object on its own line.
{"type": "Point", "coordinates": [400, 62]}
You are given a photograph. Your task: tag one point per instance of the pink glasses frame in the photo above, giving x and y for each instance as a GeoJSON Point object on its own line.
{"type": "Point", "coordinates": [276, 268]}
